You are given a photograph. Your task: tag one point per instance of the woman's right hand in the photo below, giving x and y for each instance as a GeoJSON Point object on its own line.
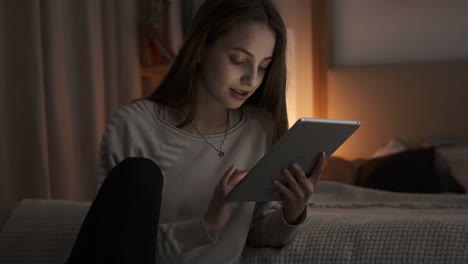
{"type": "Point", "coordinates": [219, 211]}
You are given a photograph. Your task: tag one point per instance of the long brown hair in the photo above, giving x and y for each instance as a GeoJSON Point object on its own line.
{"type": "Point", "coordinates": [214, 18]}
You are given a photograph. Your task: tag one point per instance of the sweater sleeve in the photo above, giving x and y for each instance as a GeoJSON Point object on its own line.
{"type": "Point", "coordinates": [177, 238]}
{"type": "Point", "coordinates": [269, 229]}
{"type": "Point", "coordinates": [111, 148]}
{"type": "Point", "coordinates": [174, 238]}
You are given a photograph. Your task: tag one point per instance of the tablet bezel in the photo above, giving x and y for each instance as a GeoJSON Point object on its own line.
{"type": "Point", "coordinates": [301, 144]}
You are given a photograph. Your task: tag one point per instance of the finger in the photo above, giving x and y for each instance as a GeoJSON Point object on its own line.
{"type": "Point", "coordinates": [301, 178]}
{"type": "Point", "coordinates": [227, 175]}
{"type": "Point", "coordinates": [313, 184]}
{"type": "Point", "coordinates": [237, 177]}
{"type": "Point", "coordinates": [293, 185]}
{"type": "Point", "coordinates": [284, 190]}
{"type": "Point", "coordinates": [298, 173]}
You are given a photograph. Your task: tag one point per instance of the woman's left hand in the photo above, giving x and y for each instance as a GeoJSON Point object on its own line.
{"type": "Point", "coordinates": [298, 188]}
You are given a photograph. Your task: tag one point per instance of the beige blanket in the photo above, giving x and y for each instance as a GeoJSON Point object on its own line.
{"type": "Point", "coordinates": [348, 224]}
{"type": "Point", "coordinates": [41, 231]}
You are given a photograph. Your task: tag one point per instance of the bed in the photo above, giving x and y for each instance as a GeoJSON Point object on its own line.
{"type": "Point", "coordinates": [349, 224]}
{"type": "Point", "coordinates": [346, 224]}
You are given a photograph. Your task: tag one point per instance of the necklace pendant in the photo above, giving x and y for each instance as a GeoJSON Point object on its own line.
{"type": "Point", "coordinates": [221, 154]}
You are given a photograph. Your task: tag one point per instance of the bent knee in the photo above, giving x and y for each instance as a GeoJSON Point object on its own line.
{"type": "Point", "coordinates": [141, 171]}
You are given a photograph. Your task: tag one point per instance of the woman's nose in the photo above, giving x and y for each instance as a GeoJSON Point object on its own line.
{"type": "Point", "coordinates": [250, 78]}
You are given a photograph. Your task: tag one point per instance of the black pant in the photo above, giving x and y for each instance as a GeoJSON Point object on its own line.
{"type": "Point", "coordinates": [122, 223]}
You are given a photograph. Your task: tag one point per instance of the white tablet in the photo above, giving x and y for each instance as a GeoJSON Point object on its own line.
{"type": "Point", "coordinates": [301, 144]}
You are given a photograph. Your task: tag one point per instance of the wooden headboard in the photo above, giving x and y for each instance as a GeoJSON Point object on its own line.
{"type": "Point", "coordinates": [405, 101]}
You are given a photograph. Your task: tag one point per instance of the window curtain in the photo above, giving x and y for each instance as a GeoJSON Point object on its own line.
{"type": "Point", "coordinates": [65, 66]}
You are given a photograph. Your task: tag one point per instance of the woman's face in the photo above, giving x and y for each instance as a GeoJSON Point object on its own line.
{"type": "Point", "coordinates": [234, 66]}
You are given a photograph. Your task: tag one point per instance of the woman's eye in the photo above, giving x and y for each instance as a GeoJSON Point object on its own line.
{"type": "Point", "coordinates": [263, 68]}
{"type": "Point", "coordinates": [237, 61]}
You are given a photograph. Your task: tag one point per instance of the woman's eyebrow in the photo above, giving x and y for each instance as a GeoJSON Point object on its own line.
{"type": "Point", "coordinates": [249, 53]}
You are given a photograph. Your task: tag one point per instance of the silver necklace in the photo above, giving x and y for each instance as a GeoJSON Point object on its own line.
{"type": "Point", "coordinates": [220, 149]}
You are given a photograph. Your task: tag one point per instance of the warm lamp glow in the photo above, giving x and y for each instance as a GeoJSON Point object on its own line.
{"type": "Point", "coordinates": [291, 91]}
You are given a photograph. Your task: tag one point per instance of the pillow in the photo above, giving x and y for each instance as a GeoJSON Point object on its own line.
{"type": "Point", "coordinates": [339, 169]}
{"type": "Point", "coordinates": [454, 149]}
{"type": "Point", "coordinates": [392, 147]}
{"type": "Point", "coordinates": [457, 159]}
{"type": "Point", "coordinates": [445, 141]}
{"type": "Point", "coordinates": [419, 170]}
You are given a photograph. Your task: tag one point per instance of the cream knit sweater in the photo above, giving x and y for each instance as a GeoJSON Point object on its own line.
{"type": "Point", "coordinates": [191, 170]}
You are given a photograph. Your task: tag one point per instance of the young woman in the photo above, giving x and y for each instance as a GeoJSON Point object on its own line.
{"type": "Point", "coordinates": [216, 113]}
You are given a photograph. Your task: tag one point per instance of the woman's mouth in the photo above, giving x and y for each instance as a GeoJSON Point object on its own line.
{"type": "Point", "coordinates": [239, 94]}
